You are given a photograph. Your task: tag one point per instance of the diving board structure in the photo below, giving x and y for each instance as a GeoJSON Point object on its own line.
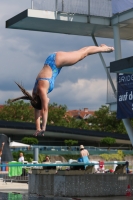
{"type": "Point", "coordinates": [97, 24]}
{"type": "Point", "coordinates": [95, 18]}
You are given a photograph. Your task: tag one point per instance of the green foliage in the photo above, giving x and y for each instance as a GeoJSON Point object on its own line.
{"type": "Point", "coordinates": [17, 111]}
{"type": "Point", "coordinates": [41, 158]}
{"type": "Point", "coordinates": [70, 143]}
{"type": "Point", "coordinates": [56, 114]}
{"type": "Point", "coordinates": [57, 117]}
{"type": "Point", "coordinates": [27, 157]}
{"type": "Point", "coordinates": [108, 141]}
{"type": "Point", "coordinates": [119, 156]}
{"type": "Point", "coordinates": [119, 152]}
{"type": "Point", "coordinates": [29, 140]}
{"type": "Point", "coordinates": [104, 120]}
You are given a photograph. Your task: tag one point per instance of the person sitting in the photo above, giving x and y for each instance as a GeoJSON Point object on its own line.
{"type": "Point", "coordinates": [101, 168]}
{"type": "Point", "coordinates": [84, 155]}
{"type": "Point", "coordinates": [47, 159]}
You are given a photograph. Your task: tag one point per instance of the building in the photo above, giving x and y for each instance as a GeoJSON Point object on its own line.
{"type": "Point", "coordinates": [55, 135]}
{"type": "Point", "coordinates": [80, 114]}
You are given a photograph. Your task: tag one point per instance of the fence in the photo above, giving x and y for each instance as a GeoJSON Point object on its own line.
{"type": "Point", "coordinates": [85, 7]}
{"type": "Point", "coordinates": [63, 150]}
{"type": "Point", "coordinates": [105, 8]}
{"type": "Point", "coordinates": [19, 172]}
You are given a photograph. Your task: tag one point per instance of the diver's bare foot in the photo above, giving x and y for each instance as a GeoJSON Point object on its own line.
{"type": "Point", "coordinates": [106, 49]}
{"type": "Point", "coordinates": [42, 132]}
{"type": "Point", "coordinates": [39, 132]}
{"type": "Point", "coordinates": [36, 133]}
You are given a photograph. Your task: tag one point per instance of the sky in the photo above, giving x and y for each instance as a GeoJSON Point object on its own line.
{"type": "Point", "coordinates": [22, 55]}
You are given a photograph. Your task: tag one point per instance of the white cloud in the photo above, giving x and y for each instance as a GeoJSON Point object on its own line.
{"type": "Point", "coordinates": [90, 93]}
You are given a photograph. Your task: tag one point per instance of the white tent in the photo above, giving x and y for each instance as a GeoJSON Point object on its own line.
{"type": "Point", "coordinates": [17, 144]}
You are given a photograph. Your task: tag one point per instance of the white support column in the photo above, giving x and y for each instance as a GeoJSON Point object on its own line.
{"type": "Point", "coordinates": [31, 4]}
{"type": "Point", "coordinates": [117, 45]}
{"type": "Point", "coordinates": [88, 7]}
{"type": "Point", "coordinates": [56, 3]}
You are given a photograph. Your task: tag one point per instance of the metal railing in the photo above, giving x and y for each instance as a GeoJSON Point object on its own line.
{"type": "Point", "coordinates": [26, 169]}
{"type": "Point", "coordinates": [86, 7]}
{"type": "Point", "coordinates": [58, 150]}
{"type": "Point", "coordinates": [105, 8]}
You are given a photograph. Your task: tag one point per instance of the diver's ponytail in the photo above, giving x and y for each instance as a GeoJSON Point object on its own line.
{"type": "Point", "coordinates": [35, 102]}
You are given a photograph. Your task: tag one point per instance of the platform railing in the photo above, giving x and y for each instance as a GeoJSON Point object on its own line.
{"type": "Point", "coordinates": [86, 7]}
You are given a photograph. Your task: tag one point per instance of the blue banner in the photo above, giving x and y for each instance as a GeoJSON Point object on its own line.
{"type": "Point", "coordinates": [125, 96]}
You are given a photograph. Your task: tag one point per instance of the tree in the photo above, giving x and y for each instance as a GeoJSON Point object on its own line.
{"type": "Point", "coordinates": [70, 143]}
{"type": "Point", "coordinates": [29, 140]}
{"type": "Point", "coordinates": [56, 115]}
{"type": "Point", "coordinates": [104, 120]}
{"type": "Point", "coordinates": [17, 111]}
{"type": "Point", "coordinates": [108, 141]}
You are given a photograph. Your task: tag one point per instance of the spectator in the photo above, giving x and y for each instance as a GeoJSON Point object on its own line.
{"type": "Point", "coordinates": [127, 167]}
{"type": "Point", "coordinates": [84, 155]}
{"type": "Point", "coordinates": [101, 168]}
{"type": "Point", "coordinates": [1, 150]}
{"type": "Point", "coordinates": [21, 157]}
{"type": "Point", "coordinates": [47, 159]}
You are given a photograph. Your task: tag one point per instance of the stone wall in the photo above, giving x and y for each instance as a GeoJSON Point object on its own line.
{"type": "Point", "coordinates": [81, 185]}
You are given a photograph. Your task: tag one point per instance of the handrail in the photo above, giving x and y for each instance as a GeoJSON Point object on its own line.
{"type": "Point", "coordinates": [58, 164]}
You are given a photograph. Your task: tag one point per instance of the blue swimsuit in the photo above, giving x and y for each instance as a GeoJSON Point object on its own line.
{"type": "Point", "coordinates": [55, 71]}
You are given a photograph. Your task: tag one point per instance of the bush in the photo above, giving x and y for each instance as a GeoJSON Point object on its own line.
{"type": "Point", "coordinates": [41, 158]}
{"type": "Point", "coordinates": [119, 156]}
{"type": "Point", "coordinates": [29, 140]}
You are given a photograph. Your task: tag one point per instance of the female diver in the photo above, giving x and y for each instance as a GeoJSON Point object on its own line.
{"type": "Point", "coordinates": [44, 83]}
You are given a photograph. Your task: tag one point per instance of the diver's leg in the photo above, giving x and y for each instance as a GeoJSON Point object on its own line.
{"type": "Point", "coordinates": [70, 58]}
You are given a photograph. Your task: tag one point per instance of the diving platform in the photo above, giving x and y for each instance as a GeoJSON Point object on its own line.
{"type": "Point", "coordinates": [73, 24]}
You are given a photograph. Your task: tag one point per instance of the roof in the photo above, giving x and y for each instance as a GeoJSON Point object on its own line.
{"type": "Point", "coordinates": [83, 114]}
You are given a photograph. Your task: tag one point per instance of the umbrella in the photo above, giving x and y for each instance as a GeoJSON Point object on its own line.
{"type": "Point", "coordinates": [18, 144]}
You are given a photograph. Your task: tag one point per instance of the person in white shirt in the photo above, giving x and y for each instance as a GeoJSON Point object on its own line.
{"type": "Point", "coordinates": [21, 158]}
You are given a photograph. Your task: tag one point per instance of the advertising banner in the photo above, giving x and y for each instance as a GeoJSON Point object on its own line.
{"type": "Point", "coordinates": [125, 96]}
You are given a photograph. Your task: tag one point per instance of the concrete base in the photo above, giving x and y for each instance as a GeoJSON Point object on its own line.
{"type": "Point", "coordinates": [79, 185]}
